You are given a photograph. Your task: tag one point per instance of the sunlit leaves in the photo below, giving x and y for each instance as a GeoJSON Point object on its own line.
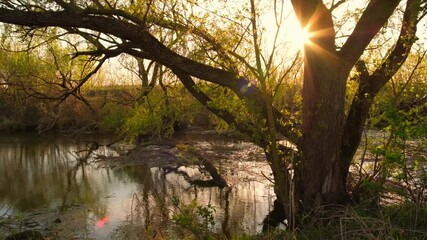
{"type": "Point", "coordinates": [400, 113]}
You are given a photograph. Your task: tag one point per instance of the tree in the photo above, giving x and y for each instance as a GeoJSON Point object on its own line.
{"type": "Point", "coordinates": [328, 137]}
{"type": "Point", "coordinates": [46, 72]}
{"type": "Point", "coordinates": [325, 125]}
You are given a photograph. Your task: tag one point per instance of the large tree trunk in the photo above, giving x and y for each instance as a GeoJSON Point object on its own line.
{"type": "Point", "coordinates": [320, 179]}
{"type": "Point", "coordinates": [323, 122]}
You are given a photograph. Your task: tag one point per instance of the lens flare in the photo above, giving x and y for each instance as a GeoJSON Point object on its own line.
{"type": "Point", "coordinates": [101, 222]}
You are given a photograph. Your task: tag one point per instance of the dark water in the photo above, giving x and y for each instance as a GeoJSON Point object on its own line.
{"type": "Point", "coordinates": [50, 184]}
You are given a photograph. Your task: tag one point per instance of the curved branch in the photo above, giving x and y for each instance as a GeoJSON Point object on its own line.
{"type": "Point", "coordinates": [373, 19]}
{"type": "Point", "coordinates": [143, 40]}
{"type": "Point", "coordinates": [191, 86]}
{"type": "Point", "coordinates": [139, 35]}
{"type": "Point", "coordinates": [216, 45]}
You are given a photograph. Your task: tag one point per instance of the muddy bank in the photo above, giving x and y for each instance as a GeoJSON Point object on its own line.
{"type": "Point", "coordinates": [161, 153]}
{"type": "Point", "coordinates": [214, 159]}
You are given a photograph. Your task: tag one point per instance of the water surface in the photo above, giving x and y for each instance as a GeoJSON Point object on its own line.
{"type": "Point", "coordinates": [53, 186]}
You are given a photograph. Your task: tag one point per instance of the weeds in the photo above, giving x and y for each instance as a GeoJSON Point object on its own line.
{"type": "Point", "coordinates": [193, 218]}
{"type": "Point", "coordinates": [364, 222]}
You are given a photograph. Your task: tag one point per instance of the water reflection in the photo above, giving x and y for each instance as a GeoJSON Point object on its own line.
{"type": "Point", "coordinates": [130, 201]}
{"type": "Point", "coordinates": [41, 172]}
{"type": "Point", "coordinates": [240, 208]}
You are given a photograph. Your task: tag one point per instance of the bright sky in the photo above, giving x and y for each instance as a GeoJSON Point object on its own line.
{"type": "Point", "coordinates": [293, 33]}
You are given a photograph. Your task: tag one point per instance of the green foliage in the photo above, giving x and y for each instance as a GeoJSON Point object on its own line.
{"type": "Point", "coordinates": [288, 99]}
{"type": "Point", "coordinates": [195, 218]}
{"type": "Point", "coordinates": [113, 116]}
{"type": "Point", "coordinates": [156, 116]}
{"type": "Point", "coordinates": [373, 188]}
{"type": "Point", "coordinates": [31, 79]}
{"type": "Point", "coordinates": [224, 99]}
{"type": "Point", "coordinates": [159, 114]}
{"type": "Point", "coordinates": [395, 164]}
{"type": "Point", "coordinates": [403, 159]}
{"type": "Point", "coordinates": [141, 121]}
{"type": "Point", "coordinates": [14, 105]}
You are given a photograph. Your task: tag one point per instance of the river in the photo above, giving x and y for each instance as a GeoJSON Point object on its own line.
{"type": "Point", "coordinates": [51, 185]}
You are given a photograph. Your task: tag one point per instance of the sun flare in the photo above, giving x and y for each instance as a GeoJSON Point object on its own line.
{"type": "Point", "coordinates": [300, 36]}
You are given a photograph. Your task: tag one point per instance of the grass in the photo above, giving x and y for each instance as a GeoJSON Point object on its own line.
{"type": "Point", "coordinates": [358, 222]}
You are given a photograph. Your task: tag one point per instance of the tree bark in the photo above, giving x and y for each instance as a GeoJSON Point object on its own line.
{"type": "Point", "coordinates": [323, 111]}
{"type": "Point", "coordinates": [321, 178]}
{"type": "Point", "coordinates": [323, 121]}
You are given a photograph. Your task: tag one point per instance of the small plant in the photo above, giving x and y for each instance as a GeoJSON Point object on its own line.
{"type": "Point", "coordinates": [393, 163]}
{"type": "Point", "coordinates": [195, 218]}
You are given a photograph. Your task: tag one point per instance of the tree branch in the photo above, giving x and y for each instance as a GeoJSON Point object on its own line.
{"type": "Point", "coordinates": [370, 85]}
{"type": "Point", "coordinates": [373, 19]}
{"type": "Point", "coordinates": [144, 41]}
{"type": "Point", "coordinates": [191, 86]}
{"type": "Point", "coordinates": [335, 5]}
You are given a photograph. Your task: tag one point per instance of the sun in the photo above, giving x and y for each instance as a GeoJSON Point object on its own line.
{"type": "Point", "coordinates": [300, 36]}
